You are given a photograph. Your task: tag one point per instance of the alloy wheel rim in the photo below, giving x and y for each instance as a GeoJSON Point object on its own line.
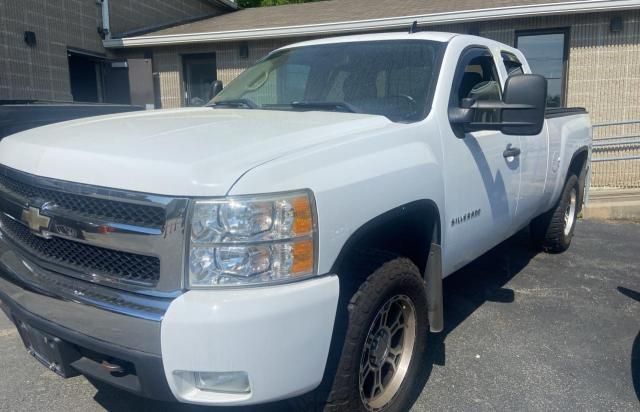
{"type": "Point", "coordinates": [570, 213]}
{"type": "Point", "coordinates": [387, 352]}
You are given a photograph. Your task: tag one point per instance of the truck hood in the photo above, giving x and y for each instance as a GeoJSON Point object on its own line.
{"type": "Point", "coordinates": [185, 152]}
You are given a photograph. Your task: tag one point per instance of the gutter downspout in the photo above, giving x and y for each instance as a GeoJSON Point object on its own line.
{"type": "Point", "coordinates": [106, 27]}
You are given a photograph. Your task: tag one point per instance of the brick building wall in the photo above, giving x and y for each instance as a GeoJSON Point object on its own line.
{"type": "Point", "coordinates": [42, 72]}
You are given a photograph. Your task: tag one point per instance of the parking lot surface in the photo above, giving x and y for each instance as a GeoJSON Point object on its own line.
{"type": "Point", "coordinates": [524, 331]}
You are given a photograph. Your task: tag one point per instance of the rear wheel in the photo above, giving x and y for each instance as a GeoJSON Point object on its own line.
{"type": "Point", "coordinates": [553, 231]}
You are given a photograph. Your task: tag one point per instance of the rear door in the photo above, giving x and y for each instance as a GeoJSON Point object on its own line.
{"type": "Point", "coordinates": [533, 156]}
{"type": "Point", "coordinates": [481, 181]}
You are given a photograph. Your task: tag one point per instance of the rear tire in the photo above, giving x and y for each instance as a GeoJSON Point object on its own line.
{"type": "Point", "coordinates": [553, 231]}
{"type": "Point", "coordinates": [383, 344]}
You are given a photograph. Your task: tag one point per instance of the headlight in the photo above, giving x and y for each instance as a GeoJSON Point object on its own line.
{"type": "Point", "coordinates": [252, 240]}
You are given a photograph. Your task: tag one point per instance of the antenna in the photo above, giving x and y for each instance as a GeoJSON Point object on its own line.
{"type": "Point", "coordinates": [414, 27]}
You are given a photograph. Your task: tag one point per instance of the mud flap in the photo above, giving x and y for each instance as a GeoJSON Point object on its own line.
{"type": "Point", "coordinates": [433, 277]}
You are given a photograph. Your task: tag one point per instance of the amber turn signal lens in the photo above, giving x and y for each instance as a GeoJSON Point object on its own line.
{"type": "Point", "coordinates": [302, 257]}
{"type": "Point", "coordinates": [303, 218]}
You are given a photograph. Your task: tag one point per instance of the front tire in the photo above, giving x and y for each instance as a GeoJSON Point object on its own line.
{"type": "Point", "coordinates": [385, 338]}
{"type": "Point", "coordinates": [553, 231]}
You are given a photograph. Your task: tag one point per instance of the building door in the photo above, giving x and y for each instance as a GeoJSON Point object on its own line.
{"type": "Point", "coordinates": [547, 52]}
{"type": "Point", "coordinates": [85, 75]}
{"type": "Point", "coordinates": [199, 73]}
{"type": "Point", "coordinates": [115, 80]}
{"type": "Point", "coordinates": [95, 79]}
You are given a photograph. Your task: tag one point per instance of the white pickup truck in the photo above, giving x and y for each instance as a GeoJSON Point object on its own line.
{"type": "Point", "coordinates": [290, 239]}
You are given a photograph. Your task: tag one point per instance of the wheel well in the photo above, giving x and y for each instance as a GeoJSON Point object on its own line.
{"type": "Point", "coordinates": [579, 162]}
{"type": "Point", "coordinates": [407, 231]}
{"type": "Point", "coordinates": [578, 167]}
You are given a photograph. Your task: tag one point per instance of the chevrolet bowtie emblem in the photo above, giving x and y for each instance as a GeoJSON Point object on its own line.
{"type": "Point", "coordinates": [35, 220]}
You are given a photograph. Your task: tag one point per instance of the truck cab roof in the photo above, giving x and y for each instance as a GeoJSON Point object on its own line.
{"type": "Point", "coordinates": [435, 36]}
{"type": "Point", "coordinates": [442, 37]}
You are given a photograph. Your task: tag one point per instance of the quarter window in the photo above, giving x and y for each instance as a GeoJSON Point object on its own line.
{"type": "Point", "coordinates": [547, 54]}
{"type": "Point", "coordinates": [511, 64]}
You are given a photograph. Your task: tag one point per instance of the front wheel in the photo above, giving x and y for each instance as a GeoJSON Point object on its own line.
{"type": "Point", "coordinates": [553, 230]}
{"type": "Point", "coordinates": [385, 338]}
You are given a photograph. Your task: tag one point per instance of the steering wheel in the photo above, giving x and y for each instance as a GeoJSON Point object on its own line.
{"type": "Point", "coordinates": [412, 103]}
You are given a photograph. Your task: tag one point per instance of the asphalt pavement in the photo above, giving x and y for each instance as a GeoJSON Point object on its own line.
{"type": "Point", "coordinates": [524, 331]}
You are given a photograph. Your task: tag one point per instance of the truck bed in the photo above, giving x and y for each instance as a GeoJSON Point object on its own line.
{"type": "Point", "coordinates": [552, 112]}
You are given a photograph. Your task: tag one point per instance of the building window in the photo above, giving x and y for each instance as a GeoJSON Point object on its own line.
{"type": "Point", "coordinates": [547, 52]}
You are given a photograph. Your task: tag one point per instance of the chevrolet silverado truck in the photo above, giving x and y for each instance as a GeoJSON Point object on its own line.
{"type": "Point", "coordinates": [289, 240]}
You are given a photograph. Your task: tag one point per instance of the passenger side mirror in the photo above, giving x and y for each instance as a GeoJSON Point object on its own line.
{"type": "Point", "coordinates": [521, 111]}
{"type": "Point", "coordinates": [216, 87]}
{"type": "Point", "coordinates": [524, 90]}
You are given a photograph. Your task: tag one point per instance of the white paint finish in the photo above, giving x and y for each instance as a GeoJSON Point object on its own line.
{"type": "Point", "coordinates": [476, 175]}
{"type": "Point", "coordinates": [533, 156]}
{"type": "Point", "coordinates": [358, 166]}
{"type": "Point", "coordinates": [279, 335]}
{"type": "Point", "coordinates": [184, 152]}
{"type": "Point", "coordinates": [569, 7]}
{"type": "Point", "coordinates": [567, 135]}
{"type": "Point", "coordinates": [357, 179]}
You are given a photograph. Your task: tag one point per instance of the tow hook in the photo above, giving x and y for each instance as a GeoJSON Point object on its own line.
{"type": "Point", "coordinates": [111, 367]}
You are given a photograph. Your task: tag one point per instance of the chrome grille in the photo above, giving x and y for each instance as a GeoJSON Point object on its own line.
{"type": "Point", "coordinates": [122, 239]}
{"type": "Point", "coordinates": [127, 267]}
{"type": "Point", "coordinates": [101, 209]}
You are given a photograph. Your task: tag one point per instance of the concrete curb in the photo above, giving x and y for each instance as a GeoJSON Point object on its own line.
{"type": "Point", "coordinates": [613, 205]}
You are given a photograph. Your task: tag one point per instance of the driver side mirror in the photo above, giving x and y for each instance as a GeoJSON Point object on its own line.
{"type": "Point", "coordinates": [521, 111]}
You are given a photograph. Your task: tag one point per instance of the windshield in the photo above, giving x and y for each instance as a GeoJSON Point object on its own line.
{"type": "Point", "coordinates": [389, 78]}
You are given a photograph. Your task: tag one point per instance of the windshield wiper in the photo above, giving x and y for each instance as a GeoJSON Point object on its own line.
{"type": "Point", "coordinates": [335, 106]}
{"type": "Point", "coordinates": [248, 103]}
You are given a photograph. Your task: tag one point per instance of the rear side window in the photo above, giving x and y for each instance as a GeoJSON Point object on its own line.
{"type": "Point", "coordinates": [511, 64]}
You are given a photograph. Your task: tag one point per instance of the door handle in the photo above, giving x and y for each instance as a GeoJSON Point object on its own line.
{"type": "Point", "coordinates": [511, 151]}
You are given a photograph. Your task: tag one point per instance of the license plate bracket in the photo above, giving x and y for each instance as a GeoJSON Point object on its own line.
{"type": "Point", "coordinates": [54, 353]}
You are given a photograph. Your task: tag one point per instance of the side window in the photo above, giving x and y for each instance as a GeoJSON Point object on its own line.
{"type": "Point", "coordinates": [511, 64]}
{"type": "Point", "coordinates": [477, 77]}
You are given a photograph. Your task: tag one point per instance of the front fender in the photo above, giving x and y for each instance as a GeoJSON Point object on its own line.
{"type": "Point", "coordinates": [356, 180]}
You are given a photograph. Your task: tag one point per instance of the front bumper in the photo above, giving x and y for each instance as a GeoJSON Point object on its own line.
{"type": "Point", "coordinates": [278, 335]}
{"type": "Point", "coordinates": [92, 335]}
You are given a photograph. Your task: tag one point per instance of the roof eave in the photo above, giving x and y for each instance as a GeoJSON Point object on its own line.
{"type": "Point", "coordinates": [570, 7]}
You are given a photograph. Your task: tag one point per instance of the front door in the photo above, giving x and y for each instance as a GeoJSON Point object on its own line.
{"type": "Point", "coordinates": [199, 73]}
{"type": "Point", "coordinates": [482, 172]}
